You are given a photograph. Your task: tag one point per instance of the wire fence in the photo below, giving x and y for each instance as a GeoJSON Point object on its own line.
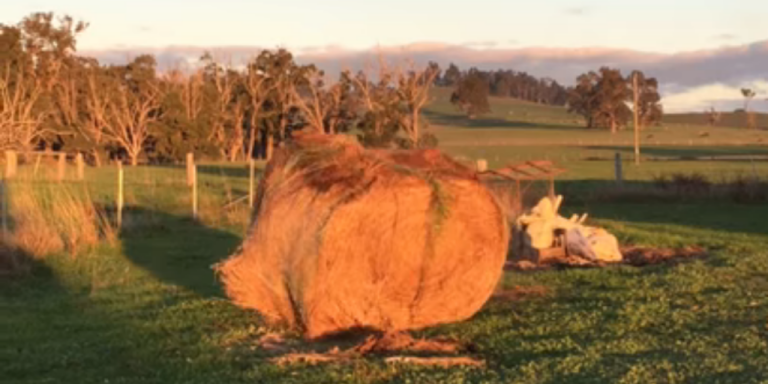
{"type": "Point", "coordinates": [215, 193]}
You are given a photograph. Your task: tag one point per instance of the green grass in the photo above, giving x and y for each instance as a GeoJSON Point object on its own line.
{"type": "Point", "coordinates": [150, 310]}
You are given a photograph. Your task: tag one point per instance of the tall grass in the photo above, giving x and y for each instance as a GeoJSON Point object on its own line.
{"type": "Point", "coordinates": [47, 218]}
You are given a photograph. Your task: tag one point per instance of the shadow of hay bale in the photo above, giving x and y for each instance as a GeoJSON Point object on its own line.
{"type": "Point", "coordinates": [177, 250]}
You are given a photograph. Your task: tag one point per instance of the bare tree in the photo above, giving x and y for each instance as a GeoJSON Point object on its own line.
{"type": "Point", "coordinates": [748, 96]}
{"type": "Point", "coordinates": [130, 116]}
{"type": "Point", "coordinates": [314, 102]}
{"type": "Point", "coordinates": [258, 89]}
{"type": "Point", "coordinates": [224, 86]}
{"type": "Point", "coordinates": [190, 90]}
{"type": "Point", "coordinates": [376, 98]}
{"type": "Point", "coordinates": [20, 120]}
{"type": "Point", "coordinates": [713, 116]}
{"type": "Point", "coordinates": [236, 139]}
{"type": "Point", "coordinates": [65, 96]}
{"type": "Point", "coordinates": [413, 87]}
{"type": "Point", "coordinates": [97, 104]}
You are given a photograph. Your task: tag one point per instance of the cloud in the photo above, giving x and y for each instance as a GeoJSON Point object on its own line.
{"type": "Point", "coordinates": [725, 37]}
{"type": "Point", "coordinates": [481, 44]}
{"type": "Point", "coordinates": [577, 11]}
{"type": "Point", "coordinates": [722, 97]}
{"type": "Point", "coordinates": [694, 79]}
{"type": "Point", "coordinates": [145, 29]}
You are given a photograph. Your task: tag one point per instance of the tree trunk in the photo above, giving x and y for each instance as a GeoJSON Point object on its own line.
{"type": "Point", "coordinates": [270, 146]}
{"type": "Point", "coordinates": [134, 159]}
{"type": "Point", "coordinates": [415, 127]}
{"type": "Point", "coordinates": [233, 152]}
{"type": "Point", "coordinates": [96, 158]}
{"type": "Point", "coordinates": [613, 125]}
{"type": "Point", "coordinates": [251, 144]}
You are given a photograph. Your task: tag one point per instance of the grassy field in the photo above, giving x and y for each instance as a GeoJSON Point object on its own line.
{"type": "Point", "coordinates": [517, 131]}
{"type": "Point", "coordinates": [148, 308]}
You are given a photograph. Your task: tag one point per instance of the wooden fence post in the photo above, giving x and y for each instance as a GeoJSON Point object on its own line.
{"type": "Point", "coordinates": [11, 164]}
{"type": "Point", "coordinates": [617, 169]}
{"type": "Point", "coordinates": [190, 168]}
{"type": "Point", "coordinates": [80, 166]}
{"type": "Point", "coordinates": [482, 165]}
{"type": "Point", "coordinates": [194, 192]}
{"type": "Point", "coordinates": [61, 166]}
{"type": "Point", "coordinates": [636, 112]}
{"type": "Point", "coordinates": [251, 185]}
{"type": "Point", "coordinates": [119, 194]}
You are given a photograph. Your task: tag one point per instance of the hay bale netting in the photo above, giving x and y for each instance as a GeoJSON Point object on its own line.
{"type": "Point", "coordinates": [345, 238]}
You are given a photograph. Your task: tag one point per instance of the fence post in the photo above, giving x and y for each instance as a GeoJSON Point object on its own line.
{"type": "Point", "coordinates": [80, 166]}
{"type": "Point", "coordinates": [194, 192]}
{"type": "Point", "coordinates": [252, 176]}
{"type": "Point", "coordinates": [190, 168]}
{"type": "Point", "coordinates": [617, 169]}
{"type": "Point", "coordinates": [61, 166]}
{"type": "Point", "coordinates": [119, 194]}
{"type": "Point", "coordinates": [11, 163]}
{"type": "Point", "coordinates": [482, 165]}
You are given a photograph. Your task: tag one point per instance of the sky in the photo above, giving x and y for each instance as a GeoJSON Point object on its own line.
{"type": "Point", "coordinates": [666, 27]}
{"type": "Point", "coordinates": [648, 25]}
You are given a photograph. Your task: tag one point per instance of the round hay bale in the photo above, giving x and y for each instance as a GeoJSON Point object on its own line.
{"type": "Point", "coordinates": [345, 238]}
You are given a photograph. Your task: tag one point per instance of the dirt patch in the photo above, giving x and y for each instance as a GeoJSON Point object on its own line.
{"type": "Point", "coordinates": [400, 341]}
{"type": "Point", "coordinates": [442, 362]}
{"type": "Point", "coordinates": [640, 257]}
{"type": "Point", "coordinates": [521, 293]}
{"type": "Point", "coordinates": [632, 255]}
{"type": "Point", "coordinates": [431, 352]}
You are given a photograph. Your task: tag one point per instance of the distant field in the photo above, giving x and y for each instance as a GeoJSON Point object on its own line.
{"type": "Point", "coordinates": [727, 119]}
{"type": "Point", "coordinates": [517, 131]}
{"type": "Point", "coordinates": [512, 113]}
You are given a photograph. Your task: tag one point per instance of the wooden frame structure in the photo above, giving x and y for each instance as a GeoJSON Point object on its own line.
{"type": "Point", "coordinates": [528, 171]}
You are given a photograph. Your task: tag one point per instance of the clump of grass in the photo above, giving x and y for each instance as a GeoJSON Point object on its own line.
{"type": "Point", "coordinates": [53, 218]}
{"type": "Point", "coordinates": [694, 184]}
{"type": "Point", "coordinates": [748, 189]}
{"type": "Point", "coordinates": [678, 187]}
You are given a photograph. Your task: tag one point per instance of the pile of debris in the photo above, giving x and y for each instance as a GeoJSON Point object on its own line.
{"type": "Point", "coordinates": [542, 237]}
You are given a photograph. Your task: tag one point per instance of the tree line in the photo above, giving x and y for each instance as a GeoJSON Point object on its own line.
{"type": "Point", "coordinates": [603, 98]}
{"type": "Point", "coordinates": [474, 86]}
{"type": "Point", "coordinates": [50, 97]}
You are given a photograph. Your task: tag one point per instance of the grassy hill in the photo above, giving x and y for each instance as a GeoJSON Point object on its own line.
{"type": "Point", "coordinates": [508, 112]}
{"type": "Point", "coordinates": [729, 119]}
{"type": "Point", "coordinates": [517, 130]}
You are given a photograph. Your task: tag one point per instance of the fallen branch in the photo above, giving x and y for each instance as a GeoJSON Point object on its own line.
{"type": "Point", "coordinates": [387, 343]}
{"type": "Point", "coordinates": [443, 362]}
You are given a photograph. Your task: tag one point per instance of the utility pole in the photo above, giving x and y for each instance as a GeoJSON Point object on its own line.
{"type": "Point", "coordinates": [637, 116]}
